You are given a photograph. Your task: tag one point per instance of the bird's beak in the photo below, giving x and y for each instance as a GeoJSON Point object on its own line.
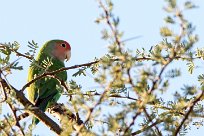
{"type": "Point", "coordinates": [68, 55]}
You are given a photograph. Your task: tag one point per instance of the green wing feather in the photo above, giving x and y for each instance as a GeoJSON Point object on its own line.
{"type": "Point", "coordinates": [47, 90]}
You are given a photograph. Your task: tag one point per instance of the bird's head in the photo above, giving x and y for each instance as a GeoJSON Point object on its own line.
{"type": "Point", "coordinates": [60, 49]}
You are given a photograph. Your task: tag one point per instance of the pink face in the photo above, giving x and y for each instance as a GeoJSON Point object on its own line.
{"type": "Point", "coordinates": [62, 51]}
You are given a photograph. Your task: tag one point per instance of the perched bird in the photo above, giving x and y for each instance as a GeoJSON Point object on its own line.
{"type": "Point", "coordinates": [46, 91]}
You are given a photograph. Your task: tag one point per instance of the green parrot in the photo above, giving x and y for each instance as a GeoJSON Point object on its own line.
{"type": "Point", "coordinates": [46, 91]}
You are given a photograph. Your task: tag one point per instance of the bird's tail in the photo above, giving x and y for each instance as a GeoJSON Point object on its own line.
{"type": "Point", "coordinates": [42, 106]}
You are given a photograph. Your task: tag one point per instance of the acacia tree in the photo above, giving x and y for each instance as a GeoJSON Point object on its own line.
{"type": "Point", "coordinates": [131, 84]}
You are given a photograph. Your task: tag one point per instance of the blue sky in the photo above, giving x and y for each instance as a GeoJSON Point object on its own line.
{"type": "Point", "coordinates": [73, 20]}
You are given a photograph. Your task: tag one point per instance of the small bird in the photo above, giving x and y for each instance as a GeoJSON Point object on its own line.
{"type": "Point", "coordinates": [46, 91]}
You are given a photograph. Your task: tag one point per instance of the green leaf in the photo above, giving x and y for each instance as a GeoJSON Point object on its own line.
{"type": "Point", "coordinates": [169, 20]}
{"type": "Point", "coordinates": [201, 79]}
{"type": "Point", "coordinates": [173, 73]}
{"type": "Point", "coordinates": [15, 66]}
{"type": "Point", "coordinates": [189, 90]}
{"type": "Point", "coordinates": [73, 85]}
{"type": "Point", "coordinates": [200, 53]}
{"type": "Point", "coordinates": [116, 21]}
{"type": "Point", "coordinates": [165, 31]}
{"type": "Point", "coordinates": [5, 50]}
{"type": "Point", "coordinates": [191, 67]}
{"type": "Point", "coordinates": [172, 3]}
{"type": "Point", "coordinates": [189, 5]}
{"type": "Point", "coordinates": [105, 34]}
{"type": "Point", "coordinates": [80, 72]}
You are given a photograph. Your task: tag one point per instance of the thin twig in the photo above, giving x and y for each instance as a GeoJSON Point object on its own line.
{"type": "Point", "coordinates": [133, 121]}
{"type": "Point", "coordinates": [150, 119]}
{"type": "Point", "coordinates": [98, 94]}
{"type": "Point", "coordinates": [101, 121]}
{"type": "Point", "coordinates": [188, 113]}
{"type": "Point", "coordinates": [60, 81]}
{"type": "Point", "coordinates": [10, 64]}
{"type": "Point", "coordinates": [4, 94]}
{"type": "Point", "coordinates": [55, 72]}
{"type": "Point", "coordinates": [110, 24]}
{"type": "Point", "coordinates": [146, 128]}
{"type": "Point", "coordinates": [13, 109]}
{"type": "Point", "coordinates": [67, 68]}
{"type": "Point", "coordinates": [92, 109]}
{"type": "Point", "coordinates": [159, 76]}
{"type": "Point", "coordinates": [4, 46]}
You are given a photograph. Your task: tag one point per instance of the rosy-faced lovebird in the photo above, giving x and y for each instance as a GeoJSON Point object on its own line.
{"type": "Point", "coordinates": [46, 91]}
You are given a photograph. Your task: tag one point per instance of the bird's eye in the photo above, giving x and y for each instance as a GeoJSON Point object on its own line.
{"type": "Point", "coordinates": [63, 45]}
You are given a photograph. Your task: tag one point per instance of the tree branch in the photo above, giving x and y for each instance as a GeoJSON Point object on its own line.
{"type": "Point", "coordinates": [188, 113]}
{"type": "Point", "coordinates": [110, 24]}
{"type": "Point", "coordinates": [4, 95]}
{"type": "Point", "coordinates": [92, 109]}
{"type": "Point", "coordinates": [133, 121]}
{"type": "Point", "coordinates": [32, 109]}
{"type": "Point", "coordinates": [146, 128]}
{"type": "Point", "coordinates": [55, 72]}
{"type": "Point", "coordinates": [13, 109]}
{"type": "Point", "coordinates": [150, 119]}
{"type": "Point", "coordinates": [4, 46]}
